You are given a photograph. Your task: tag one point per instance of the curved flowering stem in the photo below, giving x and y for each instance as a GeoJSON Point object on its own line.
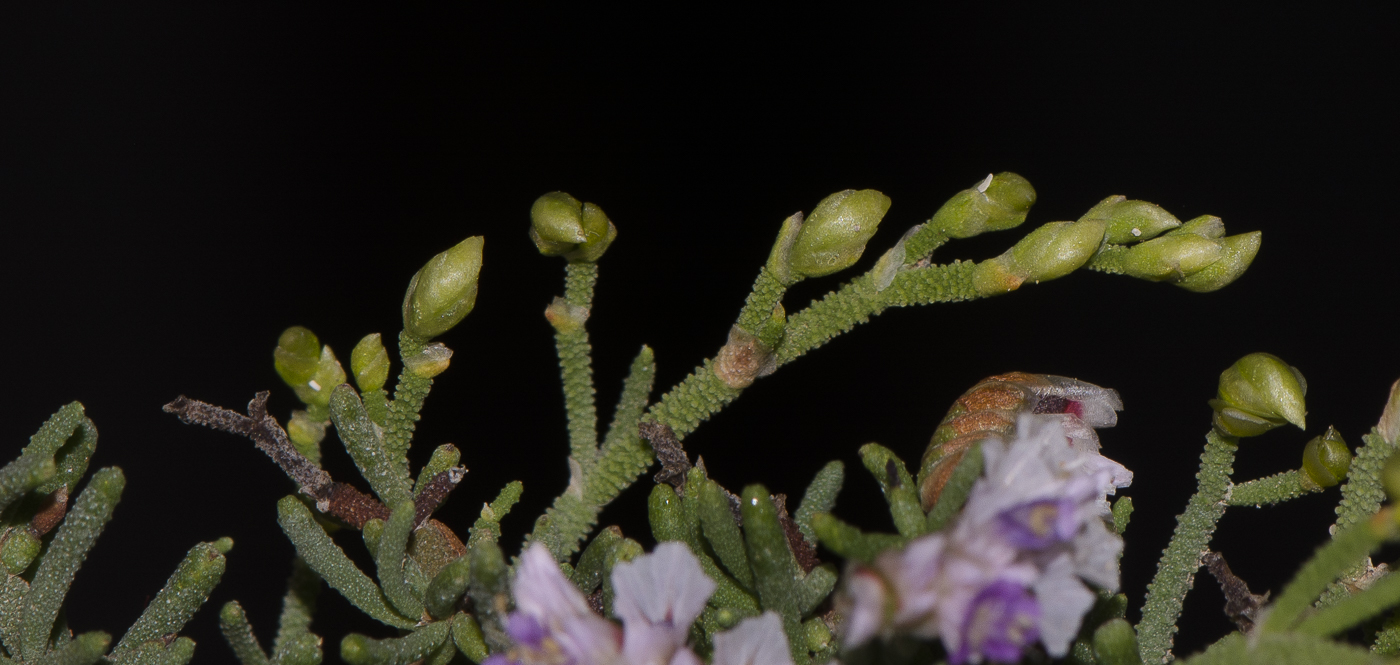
{"type": "Point", "coordinates": [1273, 489]}
{"type": "Point", "coordinates": [1183, 556]}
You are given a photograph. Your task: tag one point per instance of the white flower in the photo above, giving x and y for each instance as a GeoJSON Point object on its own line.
{"type": "Point", "coordinates": [755, 641]}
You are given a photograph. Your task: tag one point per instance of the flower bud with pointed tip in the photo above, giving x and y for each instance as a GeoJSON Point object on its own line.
{"type": "Point", "coordinates": [370, 363]}
{"type": "Point", "coordinates": [297, 355]}
{"type": "Point", "coordinates": [996, 203]}
{"type": "Point", "coordinates": [429, 362]}
{"type": "Point", "coordinates": [1326, 459]}
{"type": "Point", "coordinates": [1131, 221]}
{"type": "Point", "coordinates": [1389, 425]}
{"type": "Point", "coordinates": [1258, 393]}
{"type": "Point", "coordinates": [1171, 258]}
{"type": "Point", "coordinates": [1239, 251]}
{"type": "Point", "coordinates": [1205, 226]}
{"type": "Point", "coordinates": [779, 259]}
{"type": "Point", "coordinates": [444, 291]}
{"type": "Point", "coordinates": [1057, 249]}
{"type": "Point", "coordinates": [599, 233]}
{"type": "Point", "coordinates": [833, 237]}
{"type": "Point", "coordinates": [329, 374]}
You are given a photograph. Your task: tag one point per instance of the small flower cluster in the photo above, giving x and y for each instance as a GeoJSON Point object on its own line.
{"type": "Point", "coordinates": [658, 596]}
{"type": "Point", "coordinates": [1012, 570]}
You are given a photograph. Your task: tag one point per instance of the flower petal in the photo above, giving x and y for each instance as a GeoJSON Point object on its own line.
{"type": "Point", "coordinates": [755, 641]}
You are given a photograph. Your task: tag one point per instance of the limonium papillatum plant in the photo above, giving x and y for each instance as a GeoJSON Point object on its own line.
{"type": "Point", "coordinates": [1008, 531]}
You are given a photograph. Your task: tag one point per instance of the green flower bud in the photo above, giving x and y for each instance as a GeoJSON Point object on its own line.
{"type": "Point", "coordinates": [430, 362]}
{"type": "Point", "coordinates": [316, 392]}
{"type": "Point", "coordinates": [297, 356]}
{"type": "Point", "coordinates": [370, 363]}
{"type": "Point", "coordinates": [1239, 252]}
{"type": "Point", "coordinates": [1049, 252]}
{"type": "Point", "coordinates": [996, 203]}
{"type": "Point", "coordinates": [1115, 643]}
{"type": "Point", "coordinates": [1389, 425]}
{"type": "Point", "coordinates": [1058, 248]}
{"type": "Point", "coordinates": [779, 258]}
{"type": "Point", "coordinates": [1326, 459]}
{"type": "Point", "coordinates": [833, 237]}
{"type": "Point", "coordinates": [1171, 257]}
{"type": "Point", "coordinates": [19, 550]}
{"type": "Point", "coordinates": [1205, 226]}
{"type": "Point", "coordinates": [561, 226]}
{"type": "Point", "coordinates": [1390, 477]}
{"type": "Point", "coordinates": [306, 434]}
{"type": "Point", "coordinates": [1258, 393]}
{"type": "Point", "coordinates": [372, 531]}
{"type": "Point", "coordinates": [444, 291]}
{"type": "Point", "coordinates": [1131, 221]}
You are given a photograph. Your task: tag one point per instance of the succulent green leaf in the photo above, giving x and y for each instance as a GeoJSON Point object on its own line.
{"type": "Point", "coordinates": [776, 573]}
{"type": "Point", "coordinates": [444, 457]}
{"type": "Point", "coordinates": [387, 476]}
{"type": "Point", "coordinates": [233, 623]}
{"type": "Point", "coordinates": [184, 593]}
{"type": "Point", "coordinates": [389, 558]}
{"type": "Point", "coordinates": [1330, 561]}
{"type": "Point", "coordinates": [67, 551]}
{"type": "Point", "coordinates": [319, 552]}
{"type": "Point", "coordinates": [820, 497]}
{"type": "Point", "coordinates": [955, 491]}
{"type": "Point", "coordinates": [636, 389]}
{"type": "Point", "coordinates": [576, 367]}
{"type": "Point", "coordinates": [899, 489]}
{"type": "Point", "coordinates": [1379, 597]}
{"type": "Point", "coordinates": [295, 643]}
{"type": "Point", "coordinates": [21, 476]}
{"type": "Point", "coordinates": [409, 395]}
{"type": "Point", "coordinates": [13, 589]}
{"type": "Point", "coordinates": [850, 542]}
{"type": "Point", "coordinates": [591, 568]}
{"type": "Point", "coordinates": [357, 649]}
{"type": "Point", "coordinates": [85, 649]}
{"type": "Point", "coordinates": [670, 521]}
{"type": "Point", "coordinates": [1284, 649]}
{"type": "Point", "coordinates": [447, 587]}
{"type": "Point", "coordinates": [490, 581]}
{"type": "Point", "coordinates": [488, 526]}
{"type": "Point", "coordinates": [1122, 512]}
{"type": "Point", "coordinates": [722, 532]}
{"type": "Point", "coordinates": [1115, 643]}
{"type": "Point", "coordinates": [466, 633]}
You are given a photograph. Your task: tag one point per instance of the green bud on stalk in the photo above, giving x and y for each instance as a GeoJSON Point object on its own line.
{"type": "Point", "coordinates": [430, 362]}
{"type": "Point", "coordinates": [370, 363]}
{"type": "Point", "coordinates": [1326, 459]}
{"type": "Point", "coordinates": [996, 203]}
{"type": "Point", "coordinates": [443, 292]}
{"type": "Point", "coordinates": [1258, 393]}
{"type": "Point", "coordinates": [833, 237]}
{"type": "Point", "coordinates": [561, 226]}
{"type": "Point", "coordinates": [1131, 221]}
{"type": "Point", "coordinates": [1205, 226]}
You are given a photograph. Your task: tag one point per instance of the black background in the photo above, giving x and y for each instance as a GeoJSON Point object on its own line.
{"type": "Point", "coordinates": [180, 183]}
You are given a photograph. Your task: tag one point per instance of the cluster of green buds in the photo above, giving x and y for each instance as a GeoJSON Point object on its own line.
{"type": "Point", "coordinates": [312, 371]}
{"type": "Point", "coordinates": [829, 240]}
{"type": "Point", "coordinates": [562, 226]}
{"type": "Point", "coordinates": [1196, 255]}
{"type": "Point", "coordinates": [1258, 393]}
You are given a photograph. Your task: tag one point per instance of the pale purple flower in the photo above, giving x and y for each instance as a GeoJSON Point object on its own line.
{"type": "Point", "coordinates": [658, 596]}
{"type": "Point", "coordinates": [757, 640]}
{"type": "Point", "coordinates": [1012, 569]}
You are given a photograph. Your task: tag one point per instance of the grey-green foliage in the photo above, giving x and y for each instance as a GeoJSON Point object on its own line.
{"type": "Point", "coordinates": [743, 544]}
{"type": "Point", "coordinates": [45, 542]}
